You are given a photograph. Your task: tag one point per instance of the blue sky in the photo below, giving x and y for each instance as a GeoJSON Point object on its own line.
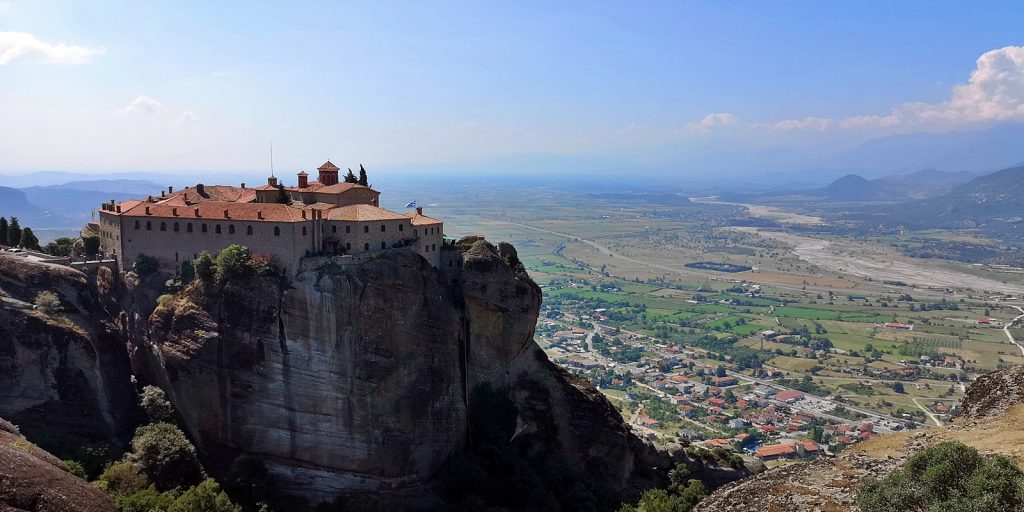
{"type": "Point", "coordinates": [184, 85]}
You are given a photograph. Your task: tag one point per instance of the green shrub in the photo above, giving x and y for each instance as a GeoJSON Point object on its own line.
{"type": "Point", "coordinates": [146, 265]}
{"type": "Point", "coordinates": [48, 303]}
{"type": "Point", "coordinates": [75, 468]}
{"type": "Point", "coordinates": [123, 478]}
{"type": "Point", "coordinates": [205, 497]}
{"type": "Point", "coordinates": [146, 500]}
{"type": "Point", "coordinates": [949, 476]}
{"type": "Point", "coordinates": [231, 262]}
{"type": "Point", "coordinates": [206, 269]}
{"type": "Point", "coordinates": [166, 456]}
{"type": "Point", "coordinates": [154, 401]}
{"type": "Point", "coordinates": [188, 272]}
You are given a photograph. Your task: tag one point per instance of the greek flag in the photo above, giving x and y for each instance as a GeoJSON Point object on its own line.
{"type": "Point", "coordinates": [411, 205]}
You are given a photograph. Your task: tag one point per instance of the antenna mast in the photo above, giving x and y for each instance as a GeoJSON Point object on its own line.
{"type": "Point", "coordinates": [271, 159]}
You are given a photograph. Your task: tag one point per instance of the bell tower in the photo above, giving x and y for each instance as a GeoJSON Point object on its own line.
{"type": "Point", "coordinates": [328, 173]}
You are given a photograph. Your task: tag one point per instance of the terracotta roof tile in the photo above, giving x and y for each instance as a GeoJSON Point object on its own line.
{"type": "Point", "coordinates": [362, 212]}
{"type": "Point", "coordinates": [422, 220]}
{"type": "Point", "coordinates": [328, 166]}
{"type": "Point", "coordinates": [214, 210]}
{"type": "Point", "coordinates": [210, 193]}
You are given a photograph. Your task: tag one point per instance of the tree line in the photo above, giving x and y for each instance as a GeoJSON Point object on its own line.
{"type": "Point", "coordinates": [13, 235]}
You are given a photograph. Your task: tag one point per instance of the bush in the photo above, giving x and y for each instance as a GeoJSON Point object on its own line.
{"type": "Point", "coordinates": [60, 247]}
{"type": "Point", "coordinates": [949, 476]}
{"type": "Point", "coordinates": [166, 456]}
{"type": "Point", "coordinates": [146, 500]}
{"type": "Point", "coordinates": [231, 262]}
{"type": "Point", "coordinates": [154, 401]}
{"type": "Point", "coordinates": [205, 267]}
{"type": "Point", "coordinates": [188, 273]}
{"type": "Point", "coordinates": [76, 468]}
{"type": "Point", "coordinates": [48, 303]}
{"type": "Point", "coordinates": [205, 497]}
{"type": "Point", "coordinates": [123, 478]}
{"type": "Point", "coordinates": [146, 265]}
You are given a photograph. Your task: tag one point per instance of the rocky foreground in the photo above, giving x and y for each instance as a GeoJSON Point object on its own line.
{"type": "Point", "coordinates": [992, 412]}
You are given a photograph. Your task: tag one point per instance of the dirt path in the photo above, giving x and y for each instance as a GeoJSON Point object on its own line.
{"type": "Point", "coordinates": [1006, 328]}
{"type": "Point", "coordinates": [931, 415]}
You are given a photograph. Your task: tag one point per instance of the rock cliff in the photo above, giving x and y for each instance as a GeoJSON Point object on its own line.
{"type": "Point", "coordinates": [359, 377]}
{"type": "Point", "coordinates": [64, 377]}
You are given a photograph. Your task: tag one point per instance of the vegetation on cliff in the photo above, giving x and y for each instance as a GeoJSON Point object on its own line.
{"type": "Point", "coordinates": [947, 477]}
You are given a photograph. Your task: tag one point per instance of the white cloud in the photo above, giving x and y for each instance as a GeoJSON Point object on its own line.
{"type": "Point", "coordinates": [993, 93]}
{"type": "Point", "coordinates": [142, 104]}
{"type": "Point", "coordinates": [15, 45]}
{"type": "Point", "coordinates": [188, 116]}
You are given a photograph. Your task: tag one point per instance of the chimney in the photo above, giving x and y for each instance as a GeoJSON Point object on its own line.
{"type": "Point", "coordinates": [419, 210]}
{"type": "Point", "coordinates": [259, 214]}
{"type": "Point", "coordinates": [243, 184]}
{"type": "Point", "coordinates": [170, 190]}
{"type": "Point", "coordinates": [147, 211]}
{"type": "Point", "coordinates": [272, 181]}
{"type": "Point", "coordinates": [200, 189]}
{"type": "Point", "coordinates": [161, 193]}
{"type": "Point", "coordinates": [303, 214]}
{"type": "Point", "coordinates": [226, 215]}
{"type": "Point", "coordinates": [118, 208]}
{"type": "Point", "coordinates": [186, 196]}
{"type": "Point", "coordinates": [197, 213]}
{"type": "Point", "coordinates": [150, 199]}
{"type": "Point", "coordinates": [174, 211]}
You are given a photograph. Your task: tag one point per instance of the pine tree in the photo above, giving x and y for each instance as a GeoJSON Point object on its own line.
{"type": "Point", "coordinates": [351, 177]}
{"type": "Point", "coordinates": [362, 176]}
{"type": "Point", "coordinates": [3, 230]}
{"type": "Point", "coordinates": [282, 196]}
{"type": "Point", "coordinates": [29, 240]}
{"type": "Point", "coordinates": [14, 233]}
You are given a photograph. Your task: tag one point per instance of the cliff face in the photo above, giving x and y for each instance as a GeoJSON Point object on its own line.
{"type": "Point", "coordinates": [359, 378]}
{"type": "Point", "coordinates": [64, 377]}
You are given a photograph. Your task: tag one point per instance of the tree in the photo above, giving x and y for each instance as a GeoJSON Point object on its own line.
{"type": "Point", "coordinates": [146, 265]}
{"type": "Point", "coordinates": [166, 456]}
{"type": "Point", "coordinates": [231, 262]}
{"type": "Point", "coordinates": [898, 387]}
{"type": "Point", "coordinates": [362, 176]}
{"type": "Point", "coordinates": [4, 228]}
{"type": "Point", "coordinates": [205, 497]}
{"type": "Point", "coordinates": [351, 177]}
{"type": "Point", "coordinates": [154, 401]}
{"type": "Point", "coordinates": [14, 233]}
{"type": "Point", "coordinates": [123, 478]}
{"type": "Point", "coordinates": [60, 247]}
{"type": "Point", "coordinates": [146, 500]}
{"type": "Point", "coordinates": [91, 245]}
{"type": "Point", "coordinates": [188, 272]}
{"type": "Point", "coordinates": [48, 303]}
{"type": "Point", "coordinates": [282, 196]}
{"type": "Point", "coordinates": [29, 240]}
{"type": "Point", "coordinates": [206, 269]}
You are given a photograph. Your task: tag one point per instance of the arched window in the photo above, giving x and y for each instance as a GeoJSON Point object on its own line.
{"type": "Point", "coordinates": [366, 229]}
{"type": "Point", "coordinates": [163, 226]}
{"type": "Point", "coordinates": [383, 245]}
{"type": "Point", "coordinates": [231, 229]}
{"type": "Point", "coordinates": [136, 224]}
{"type": "Point", "coordinates": [277, 230]}
{"type": "Point", "coordinates": [216, 229]}
{"type": "Point", "coordinates": [348, 229]}
{"type": "Point", "coordinates": [400, 227]}
{"type": "Point", "coordinates": [149, 226]}
{"type": "Point", "coordinates": [204, 228]}
{"type": "Point", "coordinates": [366, 246]}
{"type": "Point", "coordinates": [383, 228]}
{"type": "Point", "coordinates": [176, 227]}
{"type": "Point", "coordinates": [334, 229]}
{"type": "Point", "coordinates": [248, 230]}
{"type": "Point", "coordinates": [303, 230]}
{"type": "Point", "coordinates": [188, 227]}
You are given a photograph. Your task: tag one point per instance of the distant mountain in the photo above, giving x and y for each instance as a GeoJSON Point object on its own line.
{"type": "Point", "coordinates": [136, 187]}
{"type": "Point", "coordinates": [918, 185]}
{"type": "Point", "coordinates": [73, 206]}
{"type": "Point", "coordinates": [14, 203]}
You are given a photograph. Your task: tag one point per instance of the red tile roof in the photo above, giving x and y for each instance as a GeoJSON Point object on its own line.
{"type": "Point", "coordinates": [419, 219]}
{"type": "Point", "coordinates": [362, 212]}
{"type": "Point", "coordinates": [214, 210]}
{"type": "Point", "coordinates": [210, 193]}
{"type": "Point", "coordinates": [328, 166]}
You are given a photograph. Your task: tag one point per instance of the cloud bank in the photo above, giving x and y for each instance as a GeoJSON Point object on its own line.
{"type": "Point", "coordinates": [20, 45]}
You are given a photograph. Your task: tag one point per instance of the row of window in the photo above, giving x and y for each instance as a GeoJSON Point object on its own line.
{"type": "Point", "coordinates": [277, 229]}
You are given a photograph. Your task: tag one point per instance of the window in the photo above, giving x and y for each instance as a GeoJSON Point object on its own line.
{"type": "Point", "coordinates": [277, 230]}
{"type": "Point", "coordinates": [248, 230]}
{"type": "Point", "coordinates": [383, 228]}
{"type": "Point", "coordinates": [414, 232]}
{"type": "Point", "coordinates": [400, 227]}
{"type": "Point", "coordinates": [303, 230]}
{"type": "Point", "coordinates": [231, 229]}
{"type": "Point", "coordinates": [433, 247]}
{"type": "Point", "coordinates": [204, 228]}
{"type": "Point", "coordinates": [366, 229]}
{"type": "Point", "coordinates": [188, 227]}
{"type": "Point", "coordinates": [366, 246]}
{"type": "Point", "coordinates": [176, 227]}
{"type": "Point", "coordinates": [175, 256]}
{"type": "Point", "coordinates": [334, 229]}
{"type": "Point", "coordinates": [348, 246]}
{"type": "Point", "coordinates": [163, 226]}
{"type": "Point", "coordinates": [216, 229]}
{"type": "Point", "coordinates": [149, 226]}
{"type": "Point", "coordinates": [383, 245]}
{"type": "Point", "coordinates": [136, 224]}
{"type": "Point", "coordinates": [348, 229]}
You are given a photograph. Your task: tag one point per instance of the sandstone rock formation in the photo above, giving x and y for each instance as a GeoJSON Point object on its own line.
{"type": "Point", "coordinates": [359, 377]}
{"type": "Point", "coordinates": [33, 480]}
{"type": "Point", "coordinates": [64, 376]}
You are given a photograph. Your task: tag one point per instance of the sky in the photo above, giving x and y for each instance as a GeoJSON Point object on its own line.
{"type": "Point", "coordinates": [675, 86]}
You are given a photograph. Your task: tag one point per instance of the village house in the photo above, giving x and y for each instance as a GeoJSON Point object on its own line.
{"type": "Point", "coordinates": [797, 449]}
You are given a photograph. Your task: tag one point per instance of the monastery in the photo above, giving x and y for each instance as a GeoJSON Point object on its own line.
{"type": "Point", "coordinates": [319, 218]}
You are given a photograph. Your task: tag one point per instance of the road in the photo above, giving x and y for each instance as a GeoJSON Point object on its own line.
{"type": "Point", "coordinates": [1006, 328]}
{"type": "Point", "coordinates": [932, 416]}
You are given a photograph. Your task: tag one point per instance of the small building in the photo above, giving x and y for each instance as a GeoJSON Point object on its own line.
{"type": "Point", "coordinates": [794, 450]}
{"type": "Point", "coordinates": [789, 396]}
